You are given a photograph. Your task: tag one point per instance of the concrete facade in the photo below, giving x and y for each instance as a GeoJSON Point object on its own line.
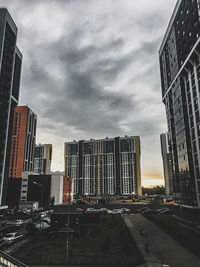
{"type": "Point", "coordinates": [42, 158]}
{"type": "Point", "coordinates": [179, 56]}
{"type": "Point", "coordinates": [109, 166]}
{"type": "Point", "coordinates": [167, 163]}
{"type": "Point", "coordinates": [10, 72]}
{"type": "Point", "coordinates": [23, 141]}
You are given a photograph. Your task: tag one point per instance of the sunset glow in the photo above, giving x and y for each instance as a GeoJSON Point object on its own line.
{"type": "Point", "coordinates": [152, 181]}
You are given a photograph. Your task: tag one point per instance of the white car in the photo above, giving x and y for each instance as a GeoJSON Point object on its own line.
{"type": "Point", "coordinates": [11, 237]}
{"type": "Point", "coordinates": [91, 210]}
{"type": "Point", "coordinates": [41, 225]}
{"type": "Point", "coordinates": [46, 220]}
{"type": "Point", "coordinates": [101, 210]}
{"type": "Point", "coordinates": [26, 211]}
{"type": "Point", "coordinates": [117, 211]}
{"type": "Point", "coordinates": [125, 210]}
{"type": "Point", "coordinates": [43, 214]}
{"type": "Point", "coordinates": [18, 223]}
{"type": "Point", "coordinates": [109, 211]}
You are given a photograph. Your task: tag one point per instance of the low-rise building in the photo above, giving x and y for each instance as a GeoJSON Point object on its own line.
{"type": "Point", "coordinates": [41, 188]}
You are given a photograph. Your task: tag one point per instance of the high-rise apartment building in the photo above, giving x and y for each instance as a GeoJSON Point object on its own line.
{"type": "Point", "coordinates": [180, 79]}
{"type": "Point", "coordinates": [23, 141]}
{"type": "Point", "coordinates": [167, 163]}
{"type": "Point", "coordinates": [10, 71]}
{"type": "Point", "coordinates": [108, 166]}
{"type": "Point", "coordinates": [42, 158]}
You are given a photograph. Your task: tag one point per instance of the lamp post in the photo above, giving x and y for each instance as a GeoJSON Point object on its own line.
{"type": "Point", "coordinates": [68, 210]}
{"type": "Point", "coordinates": [41, 187]}
{"type": "Point", "coordinates": [68, 205]}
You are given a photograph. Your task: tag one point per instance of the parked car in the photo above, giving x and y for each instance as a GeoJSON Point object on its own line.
{"type": "Point", "coordinates": [117, 211]}
{"type": "Point", "coordinates": [91, 210]}
{"type": "Point", "coordinates": [46, 220]}
{"type": "Point", "coordinates": [125, 210]}
{"type": "Point", "coordinates": [41, 225]}
{"type": "Point", "coordinates": [43, 214]}
{"type": "Point", "coordinates": [33, 228]}
{"type": "Point", "coordinates": [102, 210]}
{"type": "Point", "coordinates": [26, 211]}
{"type": "Point", "coordinates": [109, 211]}
{"type": "Point", "coordinates": [18, 223]}
{"type": "Point", "coordinates": [12, 237]}
{"type": "Point", "coordinates": [10, 223]}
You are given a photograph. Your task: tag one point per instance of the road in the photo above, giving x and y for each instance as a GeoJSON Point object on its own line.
{"type": "Point", "coordinates": [162, 249]}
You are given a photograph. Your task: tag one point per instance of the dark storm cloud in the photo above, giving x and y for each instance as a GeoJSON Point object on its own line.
{"type": "Point", "coordinates": [82, 102]}
{"type": "Point", "coordinates": [90, 68]}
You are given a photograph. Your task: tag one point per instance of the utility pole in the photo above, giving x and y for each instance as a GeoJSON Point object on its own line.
{"type": "Point", "coordinates": [41, 188]}
{"type": "Point", "coordinates": [69, 199]}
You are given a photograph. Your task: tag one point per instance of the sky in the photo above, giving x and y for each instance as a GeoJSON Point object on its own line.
{"type": "Point", "coordinates": [91, 70]}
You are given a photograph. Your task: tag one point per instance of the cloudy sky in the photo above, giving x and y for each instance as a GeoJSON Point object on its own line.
{"type": "Point", "coordinates": [90, 70]}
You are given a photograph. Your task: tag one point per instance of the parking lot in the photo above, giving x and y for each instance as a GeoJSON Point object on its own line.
{"type": "Point", "coordinates": [14, 225]}
{"type": "Point", "coordinates": [134, 208]}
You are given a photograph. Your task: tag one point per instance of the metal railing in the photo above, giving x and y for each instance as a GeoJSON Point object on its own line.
{"type": "Point", "coordinates": [8, 261]}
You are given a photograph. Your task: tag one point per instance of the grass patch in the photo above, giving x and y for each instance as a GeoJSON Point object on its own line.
{"type": "Point", "coordinates": [183, 232]}
{"type": "Point", "coordinates": [108, 243]}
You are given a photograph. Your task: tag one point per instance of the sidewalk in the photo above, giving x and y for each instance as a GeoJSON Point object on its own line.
{"type": "Point", "coordinates": [163, 250]}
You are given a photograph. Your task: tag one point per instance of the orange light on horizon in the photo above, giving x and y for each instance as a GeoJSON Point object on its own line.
{"type": "Point", "coordinates": [152, 177]}
{"type": "Point", "coordinates": [150, 182]}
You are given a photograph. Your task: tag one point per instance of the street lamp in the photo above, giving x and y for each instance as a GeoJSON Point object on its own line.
{"type": "Point", "coordinates": [69, 200]}
{"type": "Point", "coordinates": [42, 188]}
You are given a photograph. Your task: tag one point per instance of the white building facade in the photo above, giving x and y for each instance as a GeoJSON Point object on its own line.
{"type": "Point", "coordinates": [109, 166]}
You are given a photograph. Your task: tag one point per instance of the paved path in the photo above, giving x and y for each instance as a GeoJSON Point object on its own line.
{"type": "Point", "coordinates": [163, 250]}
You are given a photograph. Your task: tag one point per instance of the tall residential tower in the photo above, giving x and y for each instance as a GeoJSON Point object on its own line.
{"type": "Point", "coordinates": [109, 166]}
{"type": "Point", "coordinates": [180, 79]}
{"type": "Point", "coordinates": [10, 71]}
{"type": "Point", "coordinates": [23, 141]}
{"type": "Point", "coordinates": [42, 158]}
